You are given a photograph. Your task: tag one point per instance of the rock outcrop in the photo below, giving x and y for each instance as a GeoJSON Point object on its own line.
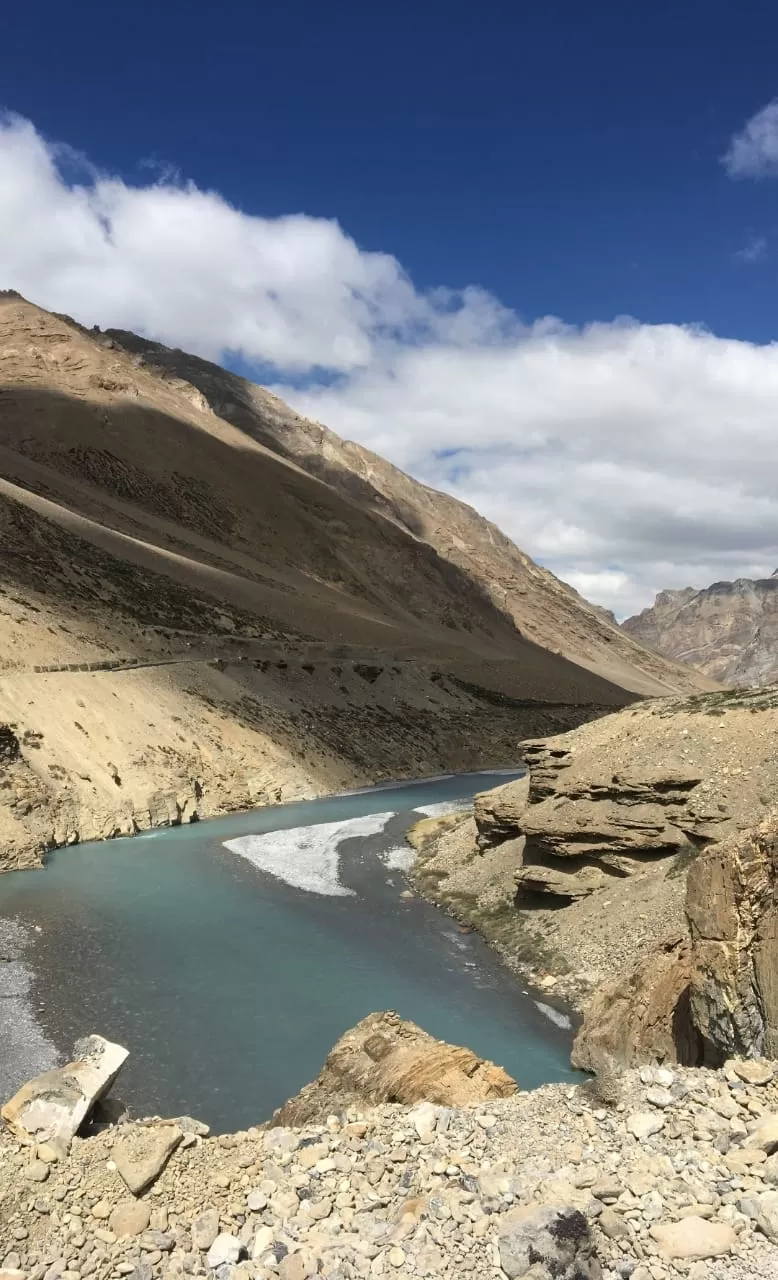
{"type": "Point", "coordinates": [386, 1059]}
{"type": "Point", "coordinates": [732, 909]}
{"type": "Point", "coordinates": [52, 1107]}
{"type": "Point", "coordinates": [579, 808]}
{"type": "Point", "coordinates": [643, 1017]}
{"type": "Point", "coordinates": [498, 813]}
{"type": "Point", "coordinates": [605, 825]}
{"type": "Point", "coordinates": [714, 993]}
{"type": "Point", "coordinates": [728, 630]}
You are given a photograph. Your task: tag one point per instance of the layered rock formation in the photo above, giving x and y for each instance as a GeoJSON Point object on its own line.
{"type": "Point", "coordinates": [207, 603]}
{"type": "Point", "coordinates": [714, 994]}
{"type": "Point", "coordinates": [577, 872]}
{"type": "Point", "coordinates": [387, 1059]}
{"type": "Point", "coordinates": [728, 630]}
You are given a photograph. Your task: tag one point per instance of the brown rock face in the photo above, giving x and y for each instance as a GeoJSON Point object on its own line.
{"type": "Point", "coordinates": [498, 813]}
{"type": "Point", "coordinates": [732, 908]}
{"type": "Point", "coordinates": [643, 1017]}
{"type": "Point", "coordinates": [728, 630]}
{"type": "Point", "coordinates": [386, 1059]}
{"type": "Point", "coordinates": [713, 994]}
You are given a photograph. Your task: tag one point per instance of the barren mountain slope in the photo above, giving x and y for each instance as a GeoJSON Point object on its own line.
{"type": "Point", "coordinates": [252, 632]}
{"type": "Point", "coordinates": [728, 630]}
{"type": "Point", "coordinates": [547, 611]}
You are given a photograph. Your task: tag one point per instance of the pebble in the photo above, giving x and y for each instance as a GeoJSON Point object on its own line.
{"type": "Point", "coordinates": [226, 1249]}
{"type": "Point", "coordinates": [129, 1218]}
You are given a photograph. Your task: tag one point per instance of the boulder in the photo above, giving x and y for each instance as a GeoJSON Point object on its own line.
{"type": "Point", "coordinates": [554, 1237]}
{"type": "Point", "coordinates": [767, 1215]}
{"type": "Point", "coordinates": [751, 1070]}
{"type": "Point", "coordinates": [142, 1152]}
{"type": "Point", "coordinates": [386, 1059]}
{"type": "Point", "coordinates": [642, 1124]}
{"type": "Point", "coordinates": [52, 1107]}
{"type": "Point", "coordinates": [498, 813]}
{"type": "Point", "coordinates": [693, 1237]}
{"type": "Point", "coordinates": [765, 1136]}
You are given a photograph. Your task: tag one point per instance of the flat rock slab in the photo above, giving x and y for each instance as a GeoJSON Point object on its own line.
{"type": "Point", "coordinates": [52, 1107]}
{"type": "Point", "coordinates": [765, 1136]}
{"type": "Point", "coordinates": [142, 1152]}
{"type": "Point", "coordinates": [693, 1238]}
{"type": "Point", "coordinates": [226, 1249]}
{"type": "Point", "coordinates": [643, 1123]}
{"type": "Point", "coordinates": [751, 1070]}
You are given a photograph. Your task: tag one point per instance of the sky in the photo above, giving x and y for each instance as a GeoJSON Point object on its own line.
{"type": "Point", "coordinates": [528, 253]}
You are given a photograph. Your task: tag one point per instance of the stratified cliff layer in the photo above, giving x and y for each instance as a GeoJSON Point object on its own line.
{"type": "Point", "coordinates": [578, 872]}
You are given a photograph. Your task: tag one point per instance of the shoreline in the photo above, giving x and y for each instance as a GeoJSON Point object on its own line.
{"type": "Point", "coordinates": [559, 991]}
{"type": "Point", "coordinates": [117, 832]}
{"type": "Point", "coordinates": [562, 1002]}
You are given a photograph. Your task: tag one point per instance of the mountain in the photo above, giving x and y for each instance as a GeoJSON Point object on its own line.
{"type": "Point", "coordinates": [546, 611]}
{"type": "Point", "coordinates": [728, 630]}
{"type": "Point", "coordinates": [208, 603]}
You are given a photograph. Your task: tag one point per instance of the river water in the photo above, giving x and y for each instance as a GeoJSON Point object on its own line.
{"type": "Point", "coordinates": [229, 955]}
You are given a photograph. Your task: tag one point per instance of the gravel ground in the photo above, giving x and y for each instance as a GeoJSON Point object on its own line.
{"type": "Point", "coordinates": [421, 1192]}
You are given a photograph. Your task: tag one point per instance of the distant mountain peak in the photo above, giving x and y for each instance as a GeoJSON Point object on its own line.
{"type": "Point", "coordinates": [729, 629]}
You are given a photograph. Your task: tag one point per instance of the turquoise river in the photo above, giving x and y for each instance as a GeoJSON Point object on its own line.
{"type": "Point", "coordinates": [229, 955]}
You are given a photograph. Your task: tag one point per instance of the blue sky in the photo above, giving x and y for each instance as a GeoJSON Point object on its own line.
{"type": "Point", "coordinates": [562, 160]}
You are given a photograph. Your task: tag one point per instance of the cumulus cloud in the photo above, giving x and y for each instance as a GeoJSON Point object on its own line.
{"type": "Point", "coordinates": [626, 457]}
{"type": "Point", "coordinates": [753, 153]}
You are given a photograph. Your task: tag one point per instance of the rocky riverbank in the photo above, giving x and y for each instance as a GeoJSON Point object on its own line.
{"type": "Point", "coordinates": [641, 1175]}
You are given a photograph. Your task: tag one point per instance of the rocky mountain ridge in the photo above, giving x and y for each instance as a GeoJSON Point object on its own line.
{"type": "Point", "coordinates": [728, 630]}
{"type": "Point", "coordinates": [545, 610]}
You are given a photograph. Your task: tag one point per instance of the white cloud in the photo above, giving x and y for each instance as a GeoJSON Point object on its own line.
{"type": "Point", "coordinates": [754, 251]}
{"type": "Point", "coordinates": [753, 153]}
{"type": "Point", "coordinates": [627, 457]}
